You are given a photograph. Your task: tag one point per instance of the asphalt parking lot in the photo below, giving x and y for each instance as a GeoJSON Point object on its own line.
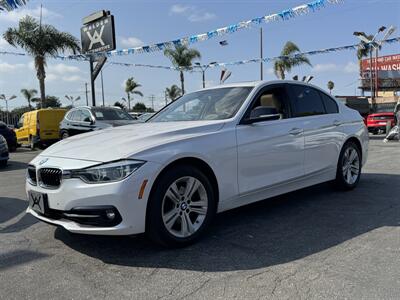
{"type": "Point", "coordinates": [316, 243]}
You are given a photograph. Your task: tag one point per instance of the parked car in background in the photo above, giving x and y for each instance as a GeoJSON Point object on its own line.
{"type": "Point", "coordinates": [207, 152]}
{"type": "Point", "coordinates": [143, 118]}
{"type": "Point", "coordinates": [135, 115]}
{"type": "Point", "coordinates": [377, 122]}
{"type": "Point", "coordinates": [85, 119]}
{"type": "Point", "coordinates": [39, 127]}
{"type": "Point", "coordinates": [9, 135]}
{"type": "Point", "coordinates": [3, 152]}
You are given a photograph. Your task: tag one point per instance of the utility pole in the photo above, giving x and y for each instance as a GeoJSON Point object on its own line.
{"type": "Point", "coordinates": [151, 97]}
{"type": "Point", "coordinates": [86, 92]}
{"type": "Point", "coordinates": [102, 86]}
{"type": "Point", "coordinates": [261, 54]}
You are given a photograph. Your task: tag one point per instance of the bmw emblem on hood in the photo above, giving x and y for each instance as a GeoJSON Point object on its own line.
{"type": "Point", "coordinates": [43, 161]}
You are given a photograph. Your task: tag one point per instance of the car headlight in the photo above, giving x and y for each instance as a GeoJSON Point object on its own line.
{"type": "Point", "coordinates": [108, 172]}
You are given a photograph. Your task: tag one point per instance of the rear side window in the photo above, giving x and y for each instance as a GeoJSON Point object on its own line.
{"type": "Point", "coordinates": [77, 116]}
{"type": "Point", "coordinates": [306, 101]}
{"type": "Point", "coordinates": [330, 104]}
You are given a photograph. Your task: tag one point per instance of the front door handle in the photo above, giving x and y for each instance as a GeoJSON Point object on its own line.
{"type": "Point", "coordinates": [295, 131]}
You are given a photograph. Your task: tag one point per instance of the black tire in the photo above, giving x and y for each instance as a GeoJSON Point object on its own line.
{"type": "Point", "coordinates": [64, 135]}
{"type": "Point", "coordinates": [340, 180]}
{"type": "Point", "coordinates": [155, 228]}
{"type": "Point", "coordinates": [3, 163]}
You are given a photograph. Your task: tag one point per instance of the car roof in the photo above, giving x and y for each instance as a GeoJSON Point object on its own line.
{"type": "Point", "coordinates": [261, 83]}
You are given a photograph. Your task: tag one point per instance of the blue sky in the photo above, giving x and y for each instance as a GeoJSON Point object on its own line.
{"type": "Point", "coordinates": [147, 21]}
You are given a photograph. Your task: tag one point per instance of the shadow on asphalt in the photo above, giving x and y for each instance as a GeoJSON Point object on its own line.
{"type": "Point", "coordinates": [11, 208]}
{"type": "Point", "coordinates": [275, 231]}
{"type": "Point", "coordinates": [13, 165]}
{"type": "Point", "coordinates": [18, 257]}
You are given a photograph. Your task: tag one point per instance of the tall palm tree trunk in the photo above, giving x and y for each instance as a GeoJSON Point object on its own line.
{"type": "Point", "coordinates": [129, 101]}
{"type": "Point", "coordinates": [182, 82]}
{"type": "Point", "coordinates": [41, 75]}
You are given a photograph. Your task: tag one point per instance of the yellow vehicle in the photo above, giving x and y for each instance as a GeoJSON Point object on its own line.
{"type": "Point", "coordinates": [39, 127]}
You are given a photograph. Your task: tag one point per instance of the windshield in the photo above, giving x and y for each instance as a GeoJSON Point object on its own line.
{"type": "Point", "coordinates": [214, 104]}
{"type": "Point", "coordinates": [110, 114]}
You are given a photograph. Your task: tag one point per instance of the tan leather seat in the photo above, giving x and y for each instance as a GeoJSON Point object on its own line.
{"type": "Point", "coordinates": [269, 100]}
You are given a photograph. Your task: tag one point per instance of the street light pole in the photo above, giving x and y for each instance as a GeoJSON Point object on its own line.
{"type": "Point", "coordinates": [261, 54]}
{"type": "Point", "coordinates": [203, 70]}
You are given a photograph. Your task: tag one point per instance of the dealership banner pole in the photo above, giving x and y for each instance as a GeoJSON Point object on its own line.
{"type": "Point", "coordinates": [92, 85]}
{"type": "Point", "coordinates": [97, 36]}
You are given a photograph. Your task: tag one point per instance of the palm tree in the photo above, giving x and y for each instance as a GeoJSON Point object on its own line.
{"type": "Point", "coordinates": [291, 58]}
{"type": "Point", "coordinates": [29, 95]}
{"type": "Point", "coordinates": [173, 92]}
{"type": "Point", "coordinates": [72, 99]}
{"type": "Point", "coordinates": [364, 50]}
{"type": "Point", "coordinates": [130, 88]}
{"type": "Point", "coordinates": [331, 86]}
{"type": "Point", "coordinates": [40, 41]}
{"type": "Point", "coordinates": [182, 57]}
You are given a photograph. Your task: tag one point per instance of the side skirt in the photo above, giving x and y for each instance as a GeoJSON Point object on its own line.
{"type": "Point", "coordinates": [278, 189]}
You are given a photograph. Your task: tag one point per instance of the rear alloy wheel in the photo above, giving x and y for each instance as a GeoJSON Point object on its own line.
{"type": "Point", "coordinates": [181, 207]}
{"type": "Point", "coordinates": [349, 166]}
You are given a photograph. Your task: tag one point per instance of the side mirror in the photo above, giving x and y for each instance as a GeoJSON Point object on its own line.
{"type": "Point", "coordinates": [262, 113]}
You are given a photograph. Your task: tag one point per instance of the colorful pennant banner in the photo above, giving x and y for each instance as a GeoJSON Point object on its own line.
{"type": "Point", "coordinates": [9, 5]}
{"type": "Point", "coordinates": [282, 16]}
{"type": "Point", "coordinates": [222, 64]}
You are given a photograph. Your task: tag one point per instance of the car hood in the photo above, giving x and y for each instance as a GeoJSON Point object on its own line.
{"type": "Point", "coordinates": [125, 141]}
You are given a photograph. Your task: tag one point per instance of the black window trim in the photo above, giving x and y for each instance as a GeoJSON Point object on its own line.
{"type": "Point", "coordinates": [258, 94]}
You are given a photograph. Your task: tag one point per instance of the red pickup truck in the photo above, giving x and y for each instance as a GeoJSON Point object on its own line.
{"type": "Point", "coordinates": [377, 122]}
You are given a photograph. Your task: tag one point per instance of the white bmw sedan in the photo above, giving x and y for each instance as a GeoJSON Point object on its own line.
{"type": "Point", "coordinates": [207, 152]}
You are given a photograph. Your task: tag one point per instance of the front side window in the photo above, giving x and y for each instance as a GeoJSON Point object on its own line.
{"type": "Point", "coordinates": [86, 116]}
{"type": "Point", "coordinates": [110, 114]}
{"type": "Point", "coordinates": [214, 104]}
{"type": "Point", "coordinates": [270, 104]}
{"type": "Point", "coordinates": [306, 101]}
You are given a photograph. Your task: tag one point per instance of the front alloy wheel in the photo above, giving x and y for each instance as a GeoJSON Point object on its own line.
{"type": "Point", "coordinates": [184, 207]}
{"type": "Point", "coordinates": [181, 206]}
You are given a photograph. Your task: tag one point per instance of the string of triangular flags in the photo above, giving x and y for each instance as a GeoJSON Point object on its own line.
{"type": "Point", "coordinates": [9, 5]}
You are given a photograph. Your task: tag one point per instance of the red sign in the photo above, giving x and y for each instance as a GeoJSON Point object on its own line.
{"type": "Point", "coordinates": [389, 63]}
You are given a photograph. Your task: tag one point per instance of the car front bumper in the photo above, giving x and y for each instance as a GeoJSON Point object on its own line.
{"type": "Point", "coordinates": [74, 195]}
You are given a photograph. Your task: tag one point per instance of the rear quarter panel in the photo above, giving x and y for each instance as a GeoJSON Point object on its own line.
{"type": "Point", "coordinates": [353, 126]}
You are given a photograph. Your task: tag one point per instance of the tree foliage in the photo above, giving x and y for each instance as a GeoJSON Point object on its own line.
{"type": "Point", "coordinates": [40, 41]}
{"type": "Point", "coordinates": [182, 57]}
{"type": "Point", "coordinates": [291, 58]}
{"type": "Point", "coordinates": [173, 92]}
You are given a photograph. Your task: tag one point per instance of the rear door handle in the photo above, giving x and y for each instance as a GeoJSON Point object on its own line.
{"type": "Point", "coordinates": [295, 131]}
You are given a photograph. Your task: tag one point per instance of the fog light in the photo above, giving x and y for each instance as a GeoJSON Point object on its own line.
{"type": "Point", "coordinates": [110, 214]}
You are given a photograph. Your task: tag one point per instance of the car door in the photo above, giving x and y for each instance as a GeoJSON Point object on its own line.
{"type": "Point", "coordinates": [270, 149]}
{"type": "Point", "coordinates": [322, 136]}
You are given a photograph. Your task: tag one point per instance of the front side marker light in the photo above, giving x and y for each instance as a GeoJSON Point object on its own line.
{"type": "Point", "coordinates": [142, 188]}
